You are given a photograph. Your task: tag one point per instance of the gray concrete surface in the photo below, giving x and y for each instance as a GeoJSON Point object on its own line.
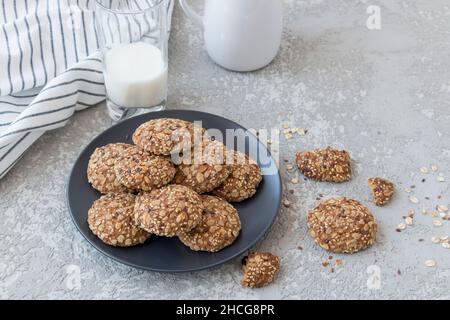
{"type": "Point", "coordinates": [383, 94]}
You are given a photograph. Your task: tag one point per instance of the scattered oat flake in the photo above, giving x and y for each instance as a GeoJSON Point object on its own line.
{"type": "Point", "coordinates": [440, 178]}
{"type": "Point", "coordinates": [444, 239]}
{"type": "Point", "coordinates": [411, 212]}
{"type": "Point", "coordinates": [445, 245]}
{"type": "Point", "coordinates": [437, 223]}
{"type": "Point", "coordinates": [285, 125]}
{"type": "Point", "coordinates": [286, 203]}
{"type": "Point", "coordinates": [442, 208]}
{"type": "Point", "coordinates": [401, 226]}
{"type": "Point", "coordinates": [430, 263]}
{"type": "Point", "coordinates": [434, 168]}
{"type": "Point", "coordinates": [413, 199]}
{"type": "Point", "coordinates": [269, 141]}
{"type": "Point", "coordinates": [289, 166]}
{"type": "Point", "coordinates": [409, 221]}
{"type": "Point", "coordinates": [408, 190]}
{"type": "Point", "coordinates": [294, 181]}
{"type": "Point", "coordinates": [288, 136]}
{"type": "Point", "coordinates": [435, 240]}
{"type": "Point", "coordinates": [424, 170]}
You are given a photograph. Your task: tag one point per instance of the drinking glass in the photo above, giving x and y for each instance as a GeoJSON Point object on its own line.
{"type": "Point", "coordinates": [133, 39]}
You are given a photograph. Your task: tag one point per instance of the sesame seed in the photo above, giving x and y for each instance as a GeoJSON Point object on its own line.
{"type": "Point", "coordinates": [294, 181]}
{"type": "Point", "coordinates": [424, 170]}
{"type": "Point", "coordinates": [434, 168]}
{"type": "Point", "coordinates": [414, 199]}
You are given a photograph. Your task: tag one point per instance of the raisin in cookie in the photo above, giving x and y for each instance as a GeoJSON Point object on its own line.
{"type": "Point", "coordinates": [342, 225]}
{"type": "Point", "coordinates": [382, 190]}
{"type": "Point", "coordinates": [111, 219]}
{"type": "Point", "coordinates": [260, 269]}
{"type": "Point", "coordinates": [166, 136]}
{"type": "Point", "coordinates": [139, 170]}
{"type": "Point", "coordinates": [326, 164]}
{"type": "Point", "coordinates": [219, 228]}
{"type": "Point", "coordinates": [205, 169]}
{"type": "Point", "coordinates": [168, 211]}
{"type": "Point", "coordinates": [100, 172]}
{"type": "Point", "coordinates": [243, 180]}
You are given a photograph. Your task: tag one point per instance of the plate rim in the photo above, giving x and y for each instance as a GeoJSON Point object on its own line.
{"type": "Point", "coordinates": [260, 236]}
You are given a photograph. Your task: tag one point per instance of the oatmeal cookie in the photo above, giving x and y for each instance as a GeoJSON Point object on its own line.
{"type": "Point", "coordinates": [382, 190]}
{"type": "Point", "coordinates": [205, 169]}
{"type": "Point", "coordinates": [219, 228]}
{"type": "Point", "coordinates": [243, 180]}
{"type": "Point", "coordinates": [139, 170]}
{"type": "Point", "coordinates": [166, 136]}
{"type": "Point", "coordinates": [326, 164]}
{"type": "Point", "coordinates": [342, 225]}
{"type": "Point", "coordinates": [168, 211]}
{"type": "Point", "coordinates": [260, 269]}
{"type": "Point", "coordinates": [100, 172]}
{"type": "Point", "coordinates": [111, 219]}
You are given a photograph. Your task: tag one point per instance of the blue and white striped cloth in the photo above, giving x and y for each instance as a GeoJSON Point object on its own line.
{"type": "Point", "coordinates": [49, 68]}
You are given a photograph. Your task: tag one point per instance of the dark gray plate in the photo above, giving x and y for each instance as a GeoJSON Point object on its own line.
{"type": "Point", "coordinates": [169, 254]}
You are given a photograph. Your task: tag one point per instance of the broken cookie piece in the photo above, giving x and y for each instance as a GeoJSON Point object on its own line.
{"type": "Point", "coordinates": [327, 164]}
{"type": "Point", "coordinates": [382, 190]}
{"type": "Point", "coordinates": [260, 269]}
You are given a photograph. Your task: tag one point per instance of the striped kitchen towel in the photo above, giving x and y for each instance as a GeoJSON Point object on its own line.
{"type": "Point", "coordinates": [50, 67]}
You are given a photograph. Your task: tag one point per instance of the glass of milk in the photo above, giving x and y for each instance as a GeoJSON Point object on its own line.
{"type": "Point", "coordinates": [133, 37]}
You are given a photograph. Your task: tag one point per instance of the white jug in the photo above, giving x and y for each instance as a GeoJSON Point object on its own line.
{"type": "Point", "coordinates": [240, 35]}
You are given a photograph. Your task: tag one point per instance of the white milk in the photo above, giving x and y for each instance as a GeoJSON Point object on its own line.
{"type": "Point", "coordinates": [135, 75]}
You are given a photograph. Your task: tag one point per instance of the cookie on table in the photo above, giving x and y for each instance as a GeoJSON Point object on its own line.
{"type": "Point", "coordinates": [220, 226]}
{"type": "Point", "coordinates": [382, 190]}
{"type": "Point", "coordinates": [243, 180]}
{"type": "Point", "coordinates": [205, 169]}
{"type": "Point", "coordinates": [168, 211]}
{"type": "Point", "coordinates": [327, 164]}
{"type": "Point", "coordinates": [111, 219]}
{"type": "Point", "coordinates": [260, 269]}
{"type": "Point", "coordinates": [166, 136]}
{"type": "Point", "coordinates": [342, 225]}
{"type": "Point", "coordinates": [139, 170]}
{"type": "Point", "coordinates": [100, 172]}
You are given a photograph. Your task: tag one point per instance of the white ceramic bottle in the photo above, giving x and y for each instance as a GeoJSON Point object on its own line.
{"type": "Point", "coordinates": [240, 35]}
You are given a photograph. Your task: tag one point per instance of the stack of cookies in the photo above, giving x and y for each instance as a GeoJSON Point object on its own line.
{"type": "Point", "coordinates": [173, 182]}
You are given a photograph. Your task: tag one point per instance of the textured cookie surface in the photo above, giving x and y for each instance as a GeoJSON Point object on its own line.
{"type": "Point", "coordinates": [139, 170]}
{"type": "Point", "coordinates": [382, 190]}
{"type": "Point", "coordinates": [219, 228]}
{"type": "Point", "coordinates": [169, 211]}
{"type": "Point", "coordinates": [165, 136]}
{"type": "Point", "coordinates": [100, 170]}
{"type": "Point", "coordinates": [326, 164]}
{"type": "Point", "coordinates": [243, 180]}
{"type": "Point", "coordinates": [260, 269]}
{"type": "Point", "coordinates": [205, 169]}
{"type": "Point", "coordinates": [111, 219]}
{"type": "Point", "coordinates": [342, 225]}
